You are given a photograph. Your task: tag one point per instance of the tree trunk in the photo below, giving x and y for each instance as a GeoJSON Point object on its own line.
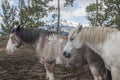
{"type": "Point", "coordinates": [58, 25]}
{"type": "Point", "coordinates": [96, 13]}
{"type": "Point", "coordinates": [21, 4]}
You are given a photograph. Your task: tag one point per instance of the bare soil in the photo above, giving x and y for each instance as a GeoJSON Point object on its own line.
{"type": "Point", "coordinates": [24, 65]}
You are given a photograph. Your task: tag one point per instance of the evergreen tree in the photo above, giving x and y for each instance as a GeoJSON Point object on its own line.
{"type": "Point", "coordinates": [113, 12]}
{"type": "Point", "coordinates": [96, 14]}
{"type": "Point", "coordinates": [69, 3]}
{"type": "Point", "coordinates": [33, 11]}
{"type": "Point", "coordinates": [108, 15]}
{"type": "Point", "coordinates": [8, 16]}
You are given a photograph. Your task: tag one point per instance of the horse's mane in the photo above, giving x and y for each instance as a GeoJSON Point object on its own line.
{"type": "Point", "coordinates": [95, 35]}
{"type": "Point", "coordinates": [32, 35]}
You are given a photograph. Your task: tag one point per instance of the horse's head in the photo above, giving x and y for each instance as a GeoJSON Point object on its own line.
{"type": "Point", "coordinates": [73, 43]}
{"type": "Point", "coordinates": [14, 40]}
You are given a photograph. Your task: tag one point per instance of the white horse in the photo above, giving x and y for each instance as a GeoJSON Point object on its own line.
{"type": "Point", "coordinates": [103, 40]}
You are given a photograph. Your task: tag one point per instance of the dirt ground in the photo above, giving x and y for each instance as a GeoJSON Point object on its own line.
{"type": "Point", "coordinates": [24, 65]}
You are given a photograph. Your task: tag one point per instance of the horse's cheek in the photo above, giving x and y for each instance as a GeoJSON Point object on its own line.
{"type": "Point", "coordinates": [67, 47]}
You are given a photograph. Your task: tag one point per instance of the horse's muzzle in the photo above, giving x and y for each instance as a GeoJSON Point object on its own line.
{"type": "Point", "coordinates": [9, 52]}
{"type": "Point", "coordinates": [67, 55]}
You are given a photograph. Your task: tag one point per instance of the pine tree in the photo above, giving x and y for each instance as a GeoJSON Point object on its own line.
{"type": "Point", "coordinates": [96, 14]}
{"type": "Point", "coordinates": [113, 12]}
{"type": "Point", "coordinates": [8, 16]}
{"type": "Point", "coordinates": [33, 11]}
{"type": "Point", "coordinates": [108, 15]}
{"type": "Point", "coordinates": [69, 3]}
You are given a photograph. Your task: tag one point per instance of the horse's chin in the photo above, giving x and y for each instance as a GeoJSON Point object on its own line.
{"type": "Point", "coordinates": [9, 52]}
{"type": "Point", "coordinates": [69, 55]}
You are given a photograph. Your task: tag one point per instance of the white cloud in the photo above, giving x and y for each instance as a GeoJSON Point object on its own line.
{"type": "Point", "coordinates": [77, 10]}
{"type": "Point", "coordinates": [84, 3]}
{"type": "Point", "coordinates": [11, 2]}
{"type": "Point", "coordinates": [55, 2]}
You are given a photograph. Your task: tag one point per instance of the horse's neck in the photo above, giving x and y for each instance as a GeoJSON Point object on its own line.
{"type": "Point", "coordinates": [55, 43]}
{"type": "Point", "coordinates": [29, 36]}
{"type": "Point", "coordinates": [96, 48]}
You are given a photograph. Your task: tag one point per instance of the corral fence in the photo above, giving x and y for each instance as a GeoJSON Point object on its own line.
{"type": "Point", "coordinates": [3, 41]}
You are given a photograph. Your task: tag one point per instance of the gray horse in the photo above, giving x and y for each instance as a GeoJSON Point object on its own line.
{"type": "Point", "coordinates": [49, 48]}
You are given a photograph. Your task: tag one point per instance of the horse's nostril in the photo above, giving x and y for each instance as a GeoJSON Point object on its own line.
{"type": "Point", "coordinates": [64, 53]}
{"type": "Point", "coordinates": [67, 55]}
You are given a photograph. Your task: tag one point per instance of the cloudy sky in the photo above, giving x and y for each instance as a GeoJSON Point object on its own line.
{"type": "Point", "coordinates": [75, 14]}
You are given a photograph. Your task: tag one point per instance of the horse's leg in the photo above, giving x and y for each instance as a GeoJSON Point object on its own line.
{"type": "Point", "coordinates": [97, 74]}
{"type": "Point", "coordinates": [94, 72]}
{"type": "Point", "coordinates": [115, 73]}
{"type": "Point", "coordinates": [49, 70]}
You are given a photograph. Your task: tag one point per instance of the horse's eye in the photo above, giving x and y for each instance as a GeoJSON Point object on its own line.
{"type": "Point", "coordinates": [71, 39]}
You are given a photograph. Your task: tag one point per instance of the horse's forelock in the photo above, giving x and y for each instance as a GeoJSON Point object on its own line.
{"type": "Point", "coordinates": [73, 32]}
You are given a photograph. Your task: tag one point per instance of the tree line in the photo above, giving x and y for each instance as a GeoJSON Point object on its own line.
{"type": "Point", "coordinates": [25, 11]}
{"type": "Point", "coordinates": [104, 13]}
{"type": "Point", "coordinates": [28, 13]}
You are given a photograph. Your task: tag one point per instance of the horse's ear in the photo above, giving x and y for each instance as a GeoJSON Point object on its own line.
{"type": "Point", "coordinates": [18, 28]}
{"type": "Point", "coordinates": [79, 28]}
